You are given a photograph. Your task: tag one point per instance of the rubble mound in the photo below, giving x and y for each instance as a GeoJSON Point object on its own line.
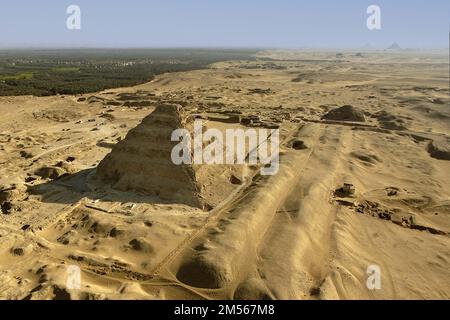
{"type": "Point", "coordinates": [10, 195]}
{"type": "Point", "coordinates": [345, 113]}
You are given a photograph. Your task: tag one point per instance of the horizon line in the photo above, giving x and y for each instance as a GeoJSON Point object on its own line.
{"type": "Point", "coordinates": [366, 47]}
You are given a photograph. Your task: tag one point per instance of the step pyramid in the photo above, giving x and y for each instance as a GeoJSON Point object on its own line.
{"type": "Point", "coordinates": [142, 161]}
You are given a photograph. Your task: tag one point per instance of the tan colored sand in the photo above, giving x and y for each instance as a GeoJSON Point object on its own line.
{"type": "Point", "coordinates": [290, 236]}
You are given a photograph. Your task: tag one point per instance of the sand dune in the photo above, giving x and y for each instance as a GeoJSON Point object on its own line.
{"type": "Point", "coordinates": [87, 181]}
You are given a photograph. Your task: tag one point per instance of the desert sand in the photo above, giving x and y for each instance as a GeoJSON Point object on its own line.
{"type": "Point", "coordinates": [85, 181]}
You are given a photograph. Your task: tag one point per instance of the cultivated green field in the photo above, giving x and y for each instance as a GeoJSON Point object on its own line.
{"type": "Point", "coordinates": [73, 71]}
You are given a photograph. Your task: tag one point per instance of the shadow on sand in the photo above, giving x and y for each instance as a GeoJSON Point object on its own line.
{"type": "Point", "coordinates": [71, 188]}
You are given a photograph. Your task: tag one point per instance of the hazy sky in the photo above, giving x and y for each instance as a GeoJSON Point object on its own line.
{"type": "Point", "coordinates": [242, 23]}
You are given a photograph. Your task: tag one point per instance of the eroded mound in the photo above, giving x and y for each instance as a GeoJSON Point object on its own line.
{"type": "Point", "coordinates": [439, 149]}
{"type": "Point", "coordinates": [345, 113]}
{"type": "Point", "coordinates": [252, 289]}
{"type": "Point", "coordinates": [201, 272]}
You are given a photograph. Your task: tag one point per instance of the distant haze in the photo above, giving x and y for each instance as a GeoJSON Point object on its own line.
{"type": "Point", "coordinates": [227, 23]}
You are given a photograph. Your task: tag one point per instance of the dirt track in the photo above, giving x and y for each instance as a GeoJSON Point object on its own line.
{"type": "Point", "coordinates": [290, 236]}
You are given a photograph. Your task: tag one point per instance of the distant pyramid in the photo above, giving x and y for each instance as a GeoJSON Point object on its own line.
{"type": "Point", "coordinates": [394, 46]}
{"type": "Point", "coordinates": [142, 161]}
